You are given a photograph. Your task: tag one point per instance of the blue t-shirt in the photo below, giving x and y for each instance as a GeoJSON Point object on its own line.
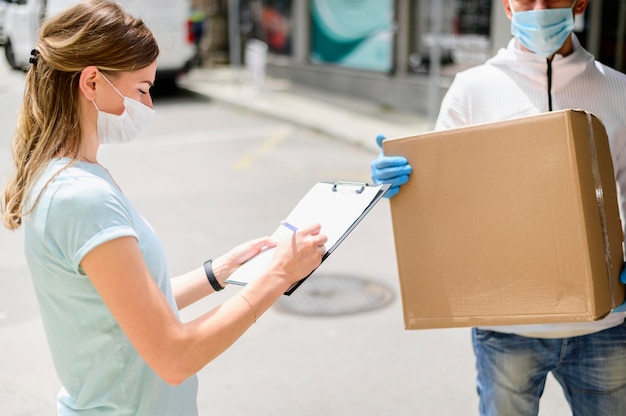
{"type": "Point", "coordinates": [101, 372]}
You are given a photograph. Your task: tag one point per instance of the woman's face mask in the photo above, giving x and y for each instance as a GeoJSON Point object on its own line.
{"type": "Point", "coordinates": [125, 127]}
{"type": "Point", "coordinates": [543, 31]}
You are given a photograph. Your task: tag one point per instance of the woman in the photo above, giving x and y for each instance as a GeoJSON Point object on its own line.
{"type": "Point", "coordinates": [108, 308]}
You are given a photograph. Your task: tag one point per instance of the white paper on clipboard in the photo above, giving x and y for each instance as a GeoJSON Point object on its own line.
{"type": "Point", "coordinates": [337, 206]}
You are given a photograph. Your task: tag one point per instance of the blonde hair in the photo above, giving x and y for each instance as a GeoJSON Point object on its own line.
{"type": "Point", "coordinates": [92, 32]}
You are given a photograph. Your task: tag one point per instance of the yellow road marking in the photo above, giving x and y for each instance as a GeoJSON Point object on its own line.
{"type": "Point", "coordinates": [268, 145]}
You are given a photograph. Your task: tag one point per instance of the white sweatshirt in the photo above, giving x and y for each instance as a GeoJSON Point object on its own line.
{"type": "Point", "coordinates": [513, 84]}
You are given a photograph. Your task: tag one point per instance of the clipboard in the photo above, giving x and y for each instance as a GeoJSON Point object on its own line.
{"type": "Point", "coordinates": [337, 206]}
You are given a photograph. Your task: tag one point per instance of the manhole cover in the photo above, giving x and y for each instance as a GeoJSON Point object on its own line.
{"type": "Point", "coordinates": [335, 295]}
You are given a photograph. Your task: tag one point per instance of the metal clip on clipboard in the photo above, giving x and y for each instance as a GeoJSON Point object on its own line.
{"type": "Point", "coordinates": [356, 187]}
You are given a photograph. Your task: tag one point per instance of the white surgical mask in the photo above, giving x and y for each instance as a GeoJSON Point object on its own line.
{"type": "Point", "coordinates": [113, 128]}
{"type": "Point", "coordinates": [542, 31]}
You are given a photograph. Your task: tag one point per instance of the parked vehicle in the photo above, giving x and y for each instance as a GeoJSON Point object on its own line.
{"type": "Point", "coordinates": [3, 8]}
{"type": "Point", "coordinates": [168, 20]}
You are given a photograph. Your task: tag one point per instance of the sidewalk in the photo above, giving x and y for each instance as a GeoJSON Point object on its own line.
{"type": "Point", "coordinates": [349, 119]}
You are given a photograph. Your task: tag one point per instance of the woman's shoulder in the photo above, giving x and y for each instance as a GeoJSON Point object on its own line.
{"type": "Point", "coordinates": [77, 186]}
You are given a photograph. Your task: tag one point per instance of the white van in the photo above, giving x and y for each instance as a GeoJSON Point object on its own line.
{"type": "Point", "coordinates": [167, 19]}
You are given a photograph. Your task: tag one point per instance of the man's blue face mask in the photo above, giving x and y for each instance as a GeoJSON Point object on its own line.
{"type": "Point", "coordinates": [543, 31]}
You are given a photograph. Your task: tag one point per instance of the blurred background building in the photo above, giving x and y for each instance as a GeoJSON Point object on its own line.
{"type": "Point", "coordinates": [400, 53]}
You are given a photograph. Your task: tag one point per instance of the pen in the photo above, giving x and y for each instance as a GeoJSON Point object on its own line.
{"type": "Point", "coordinates": [288, 225]}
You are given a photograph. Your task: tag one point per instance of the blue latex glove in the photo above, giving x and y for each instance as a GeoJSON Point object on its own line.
{"type": "Point", "coordinates": [390, 169]}
{"type": "Point", "coordinates": [622, 278]}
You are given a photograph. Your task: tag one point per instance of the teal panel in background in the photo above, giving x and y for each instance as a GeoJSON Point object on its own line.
{"type": "Point", "coordinates": [353, 33]}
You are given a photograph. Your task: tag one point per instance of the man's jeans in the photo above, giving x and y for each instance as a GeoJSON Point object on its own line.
{"type": "Point", "coordinates": [512, 372]}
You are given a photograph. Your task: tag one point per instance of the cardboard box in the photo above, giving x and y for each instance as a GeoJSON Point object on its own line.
{"type": "Point", "coordinates": [507, 223]}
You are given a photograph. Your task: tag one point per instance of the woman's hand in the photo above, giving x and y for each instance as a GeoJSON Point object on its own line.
{"type": "Point", "coordinates": [226, 264]}
{"type": "Point", "coordinates": [299, 254]}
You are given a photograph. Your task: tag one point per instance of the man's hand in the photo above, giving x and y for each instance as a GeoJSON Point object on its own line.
{"type": "Point", "coordinates": [390, 169]}
{"type": "Point", "coordinates": [622, 278]}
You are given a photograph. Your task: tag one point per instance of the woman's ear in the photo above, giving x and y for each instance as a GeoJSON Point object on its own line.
{"type": "Point", "coordinates": [87, 82]}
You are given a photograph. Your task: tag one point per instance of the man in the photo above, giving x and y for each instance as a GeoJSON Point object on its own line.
{"type": "Point", "coordinates": [543, 68]}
